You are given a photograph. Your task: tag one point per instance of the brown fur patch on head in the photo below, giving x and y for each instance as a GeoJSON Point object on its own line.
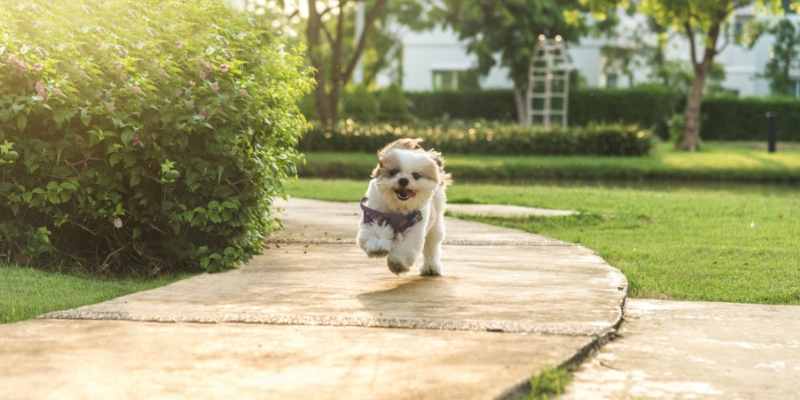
{"type": "Point", "coordinates": [386, 161]}
{"type": "Point", "coordinates": [405, 143]}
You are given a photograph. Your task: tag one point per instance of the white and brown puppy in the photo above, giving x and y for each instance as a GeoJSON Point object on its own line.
{"type": "Point", "coordinates": [403, 209]}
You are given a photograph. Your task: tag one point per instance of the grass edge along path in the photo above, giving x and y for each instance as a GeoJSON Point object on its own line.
{"type": "Point", "coordinates": [27, 292]}
{"type": "Point", "coordinates": [732, 245]}
{"type": "Point", "coordinates": [725, 162]}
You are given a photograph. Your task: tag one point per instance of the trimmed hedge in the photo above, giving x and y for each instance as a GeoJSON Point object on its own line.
{"type": "Point", "coordinates": [724, 118]}
{"type": "Point", "coordinates": [732, 118]}
{"type": "Point", "coordinates": [139, 136]}
{"type": "Point", "coordinates": [645, 106]}
{"type": "Point", "coordinates": [491, 105]}
{"type": "Point", "coordinates": [685, 167]}
{"type": "Point", "coordinates": [483, 138]}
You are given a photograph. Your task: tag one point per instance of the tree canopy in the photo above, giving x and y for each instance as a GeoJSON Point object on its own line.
{"type": "Point", "coordinates": [703, 23]}
{"type": "Point", "coordinates": [510, 29]}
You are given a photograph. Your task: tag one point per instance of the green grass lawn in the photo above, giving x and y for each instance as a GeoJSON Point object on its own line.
{"type": "Point", "coordinates": [737, 244]}
{"type": "Point", "coordinates": [26, 292]}
{"type": "Point", "coordinates": [718, 161]}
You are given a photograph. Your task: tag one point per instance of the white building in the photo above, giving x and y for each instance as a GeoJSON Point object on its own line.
{"type": "Point", "coordinates": [433, 60]}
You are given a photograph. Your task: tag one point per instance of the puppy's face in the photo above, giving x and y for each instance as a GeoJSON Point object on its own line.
{"type": "Point", "coordinates": [407, 178]}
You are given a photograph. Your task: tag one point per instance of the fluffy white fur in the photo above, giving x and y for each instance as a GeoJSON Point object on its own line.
{"type": "Point", "coordinates": [400, 162]}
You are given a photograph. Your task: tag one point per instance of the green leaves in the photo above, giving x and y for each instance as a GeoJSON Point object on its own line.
{"type": "Point", "coordinates": [157, 136]}
{"type": "Point", "coordinates": [701, 14]}
{"type": "Point", "coordinates": [512, 27]}
{"type": "Point", "coordinates": [168, 172]}
{"type": "Point", "coordinates": [785, 54]}
{"type": "Point", "coordinates": [7, 153]}
{"type": "Point", "coordinates": [489, 138]}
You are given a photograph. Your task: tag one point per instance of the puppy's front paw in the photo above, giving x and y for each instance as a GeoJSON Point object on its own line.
{"type": "Point", "coordinates": [431, 269]}
{"type": "Point", "coordinates": [397, 266]}
{"type": "Point", "coordinates": [375, 240]}
{"type": "Point", "coordinates": [378, 247]}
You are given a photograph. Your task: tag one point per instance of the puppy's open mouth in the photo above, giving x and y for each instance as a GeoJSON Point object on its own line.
{"type": "Point", "coordinates": [404, 194]}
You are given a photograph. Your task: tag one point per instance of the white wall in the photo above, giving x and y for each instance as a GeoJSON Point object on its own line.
{"type": "Point", "coordinates": [440, 49]}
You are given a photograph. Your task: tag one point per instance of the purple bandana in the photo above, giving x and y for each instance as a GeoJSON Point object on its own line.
{"type": "Point", "coordinates": [399, 222]}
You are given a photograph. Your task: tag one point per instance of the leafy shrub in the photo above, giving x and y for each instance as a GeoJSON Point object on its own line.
{"type": "Point", "coordinates": [359, 103]}
{"type": "Point", "coordinates": [389, 104]}
{"type": "Point", "coordinates": [487, 138]}
{"type": "Point", "coordinates": [142, 135]}
{"type": "Point", "coordinates": [491, 105]}
{"type": "Point", "coordinates": [677, 127]}
{"type": "Point", "coordinates": [646, 106]}
{"type": "Point", "coordinates": [393, 104]}
{"type": "Point", "coordinates": [732, 118]}
{"type": "Point", "coordinates": [724, 118]}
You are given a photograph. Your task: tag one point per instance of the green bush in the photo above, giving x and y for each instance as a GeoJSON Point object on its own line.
{"type": "Point", "coordinates": [732, 118]}
{"type": "Point", "coordinates": [359, 103]}
{"type": "Point", "coordinates": [389, 104]}
{"type": "Point", "coordinates": [393, 104]}
{"type": "Point", "coordinates": [491, 105]}
{"type": "Point", "coordinates": [645, 106]}
{"type": "Point", "coordinates": [142, 135]}
{"type": "Point", "coordinates": [723, 118]}
{"type": "Point", "coordinates": [487, 138]}
{"type": "Point", "coordinates": [677, 127]}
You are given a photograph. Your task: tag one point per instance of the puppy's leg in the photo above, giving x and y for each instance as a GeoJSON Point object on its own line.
{"type": "Point", "coordinates": [433, 250]}
{"type": "Point", "coordinates": [406, 249]}
{"type": "Point", "coordinates": [375, 240]}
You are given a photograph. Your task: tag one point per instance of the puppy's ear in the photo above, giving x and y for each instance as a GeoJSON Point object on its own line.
{"type": "Point", "coordinates": [436, 157]}
{"type": "Point", "coordinates": [385, 159]}
{"type": "Point", "coordinates": [378, 169]}
{"type": "Point", "coordinates": [443, 177]}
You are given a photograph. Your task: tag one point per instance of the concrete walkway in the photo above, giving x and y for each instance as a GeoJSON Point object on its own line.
{"type": "Point", "coordinates": [314, 317]}
{"type": "Point", "coordinates": [697, 350]}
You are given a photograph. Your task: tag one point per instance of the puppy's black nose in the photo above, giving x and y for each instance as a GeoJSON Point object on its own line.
{"type": "Point", "coordinates": [403, 182]}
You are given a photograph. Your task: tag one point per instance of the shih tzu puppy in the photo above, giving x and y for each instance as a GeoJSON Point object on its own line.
{"type": "Point", "coordinates": [403, 210]}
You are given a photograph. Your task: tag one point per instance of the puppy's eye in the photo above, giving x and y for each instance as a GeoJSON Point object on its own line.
{"type": "Point", "coordinates": [416, 175]}
{"type": "Point", "coordinates": [394, 172]}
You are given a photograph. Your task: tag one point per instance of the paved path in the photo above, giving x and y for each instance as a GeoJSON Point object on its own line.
{"type": "Point", "coordinates": [697, 350]}
{"type": "Point", "coordinates": [314, 317]}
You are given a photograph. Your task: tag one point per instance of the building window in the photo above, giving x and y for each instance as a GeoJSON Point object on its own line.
{"type": "Point", "coordinates": [445, 80]}
{"type": "Point", "coordinates": [455, 79]}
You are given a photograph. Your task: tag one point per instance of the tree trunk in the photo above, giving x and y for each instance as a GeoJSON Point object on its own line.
{"type": "Point", "coordinates": [337, 76]}
{"type": "Point", "coordinates": [315, 52]}
{"type": "Point", "coordinates": [520, 100]}
{"type": "Point", "coordinates": [334, 73]}
{"type": "Point", "coordinates": [691, 134]}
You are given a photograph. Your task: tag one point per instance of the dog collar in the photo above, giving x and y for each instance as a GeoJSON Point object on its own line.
{"type": "Point", "coordinates": [399, 222]}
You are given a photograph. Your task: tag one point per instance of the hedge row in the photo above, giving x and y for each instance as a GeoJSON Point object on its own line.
{"type": "Point", "coordinates": [724, 118]}
{"type": "Point", "coordinates": [526, 169]}
{"type": "Point", "coordinates": [140, 136]}
{"type": "Point", "coordinates": [486, 138]}
{"type": "Point", "coordinates": [644, 106]}
{"type": "Point", "coordinates": [732, 118]}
